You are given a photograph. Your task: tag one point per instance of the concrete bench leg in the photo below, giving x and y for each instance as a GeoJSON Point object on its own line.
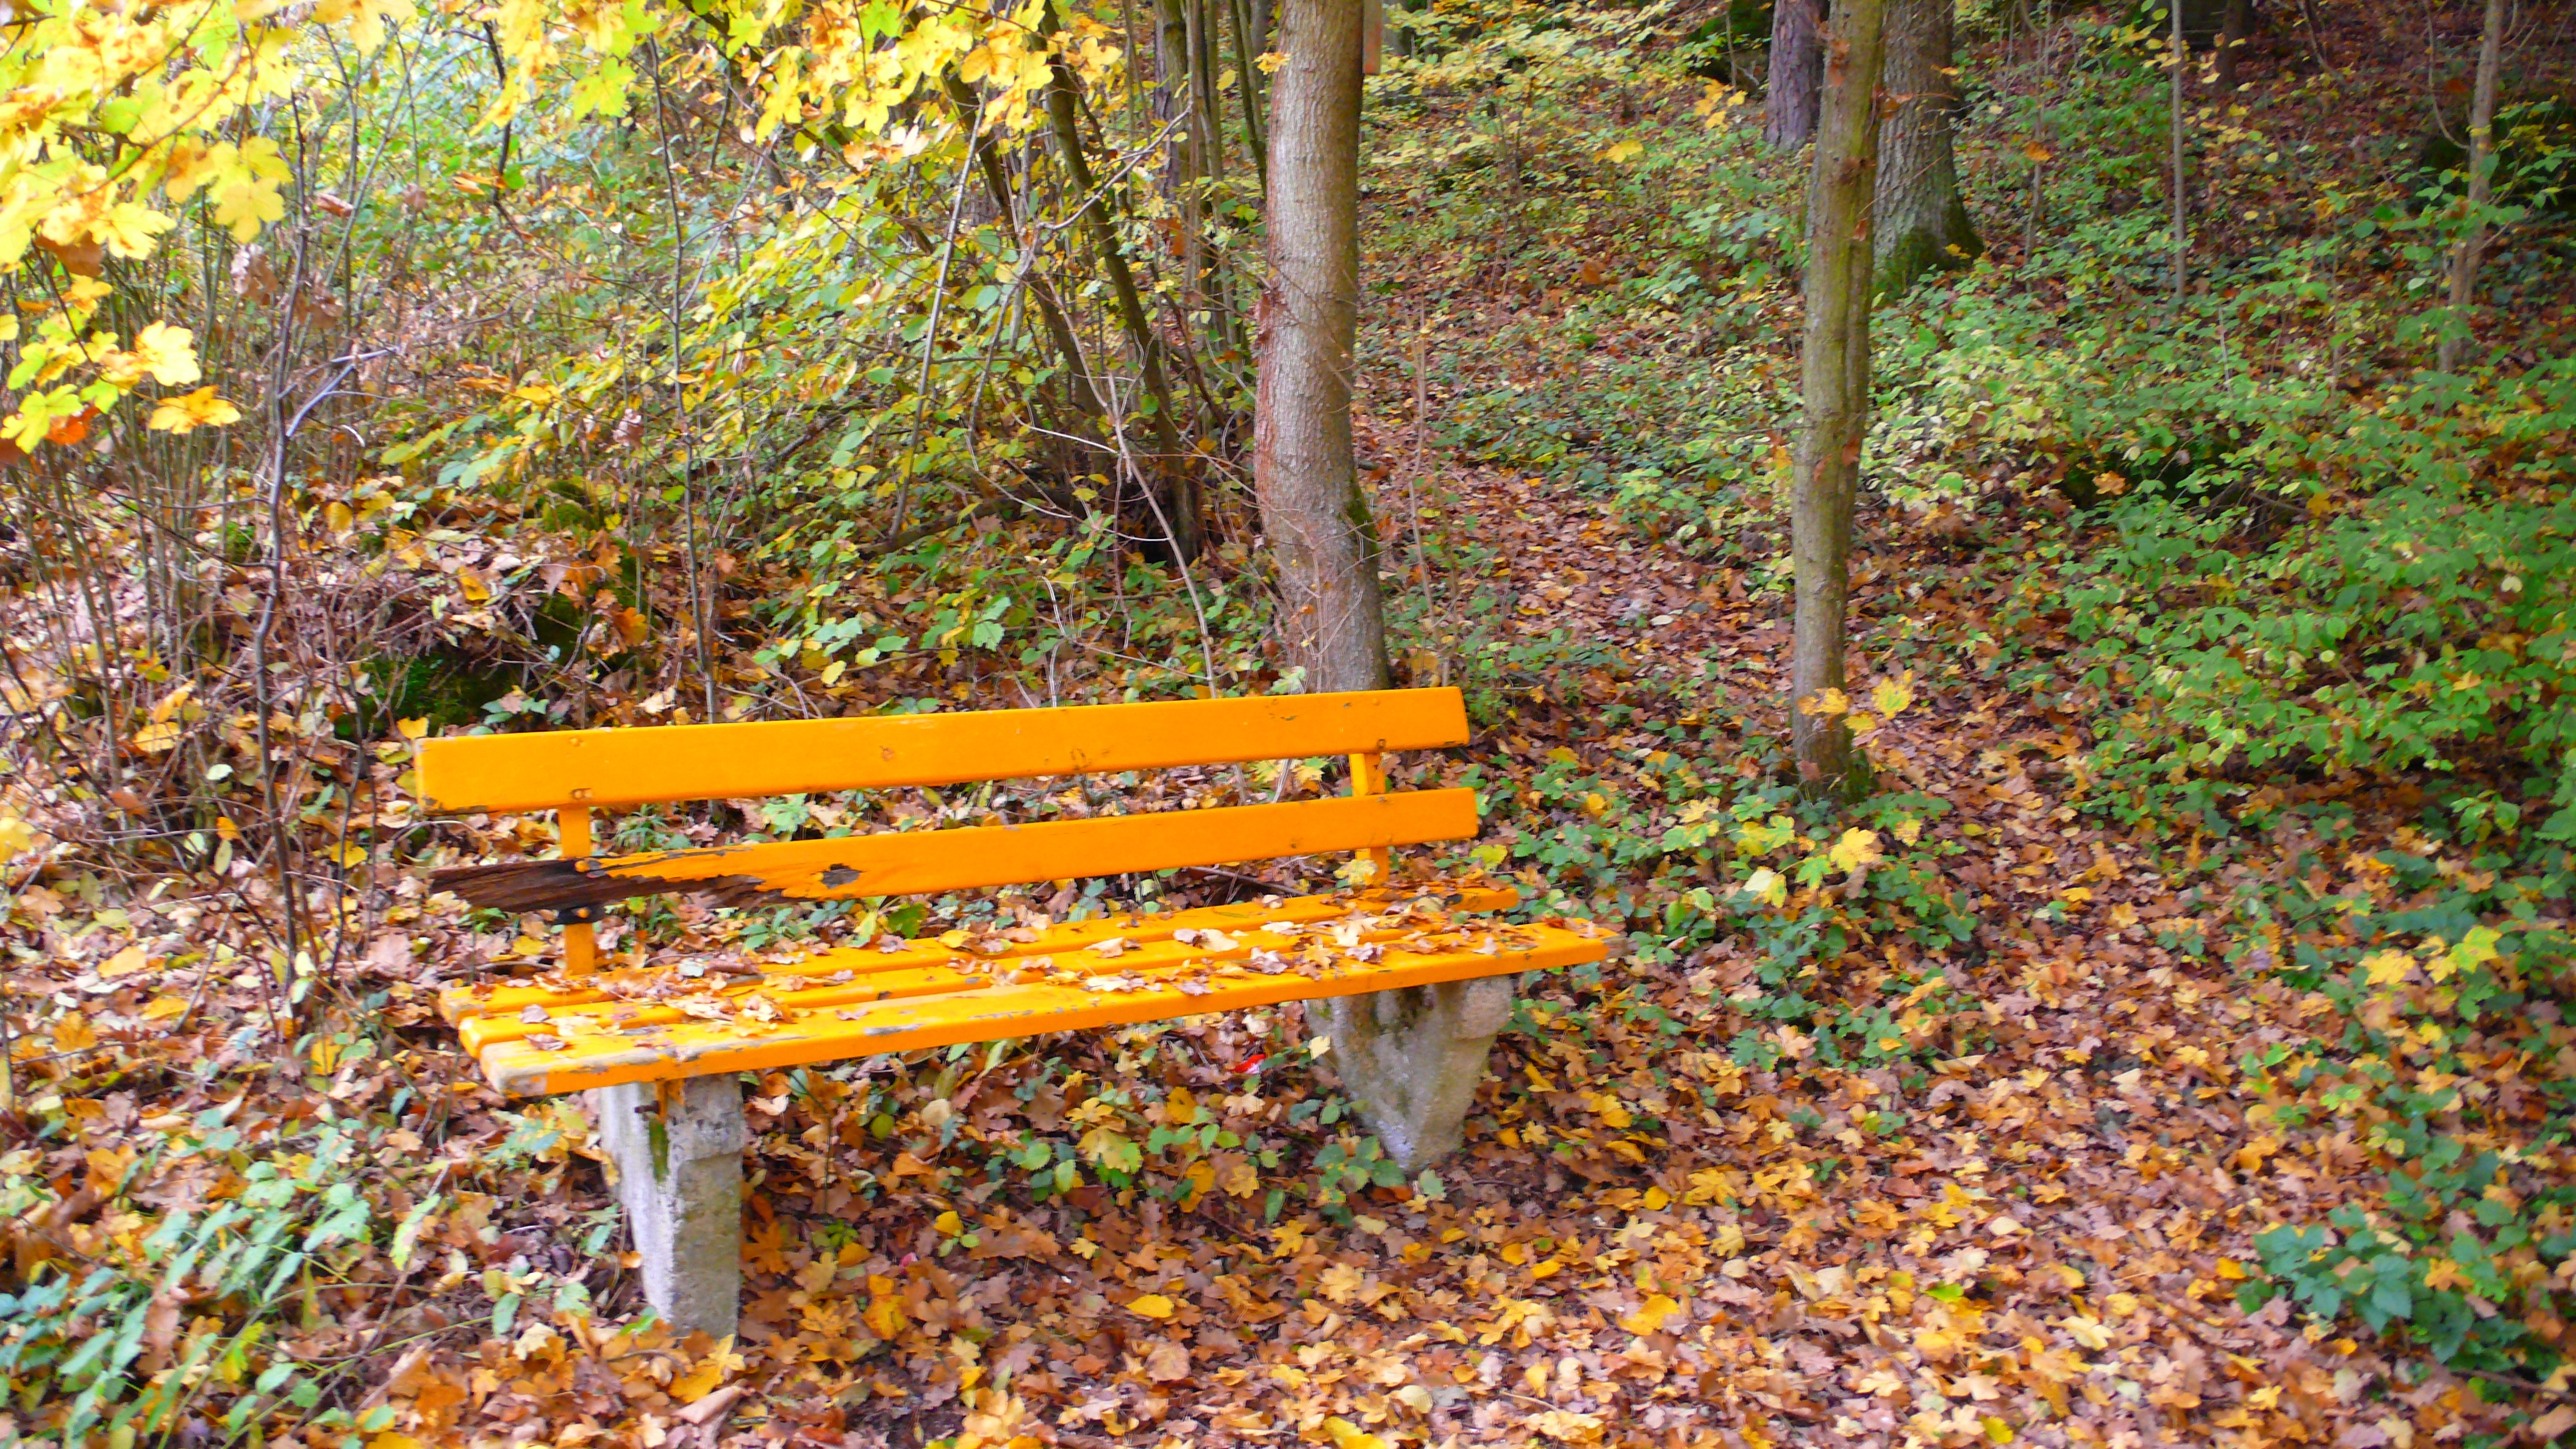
{"type": "Point", "coordinates": [1411, 1060]}
{"type": "Point", "coordinates": [678, 1149]}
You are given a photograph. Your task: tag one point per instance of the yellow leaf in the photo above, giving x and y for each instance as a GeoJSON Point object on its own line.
{"type": "Point", "coordinates": [1997, 1431]}
{"type": "Point", "coordinates": [168, 353]}
{"type": "Point", "coordinates": [471, 581]}
{"type": "Point", "coordinates": [2036, 151]}
{"type": "Point", "coordinates": [337, 517]}
{"type": "Point", "coordinates": [191, 411]}
{"type": "Point", "coordinates": [156, 738]}
{"type": "Point", "coordinates": [1767, 885]}
{"type": "Point", "coordinates": [1829, 703]}
{"type": "Point", "coordinates": [413, 729]}
{"type": "Point", "coordinates": [1657, 1199]}
{"type": "Point", "coordinates": [2086, 1331]}
{"type": "Point", "coordinates": [1153, 1305]}
{"type": "Point", "coordinates": [1651, 1315]}
{"type": "Point", "coordinates": [1857, 848]}
{"type": "Point", "coordinates": [885, 1316]}
{"type": "Point", "coordinates": [326, 1053]}
{"type": "Point", "coordinates": [123, 963]}
{"type": "Point", "coordinates": [2387, 968]}
{"type": "Point", "coordinates": [165, 1007]}
{"type": "Point", "coordinates": [1909, 831]}
{"type": "Point", "coordinates": [1347, 1435]}
{"type": "Point", "coordinates": [1893, 696]}
{"type": "Point", "coordinates": [948, 1224]}
{"type": "Point", "coordinates": [1628, 150]}
{"type": "Point", "coordinates": [1359, 870]}
{"type": "Point", "coordinates": [72, 1033]}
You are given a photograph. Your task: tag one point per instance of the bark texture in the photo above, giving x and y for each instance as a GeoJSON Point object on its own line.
{"type": "Point", "coordinates": [1790, 95]}
{"type": "Point", "coordinates": [1316, 520]}
{"type": "Point", "coordinates": [2464, 257]}
{"type": "Point", "coordinates": [2233, 35]}
{"type": "Point", "coordinates": [1921, 224]}
{"type": "Point", "coordinates": [1835, 385]}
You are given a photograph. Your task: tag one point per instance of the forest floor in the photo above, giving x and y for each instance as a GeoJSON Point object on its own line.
{"type": "Point", "coordinates": [1676, 1221]}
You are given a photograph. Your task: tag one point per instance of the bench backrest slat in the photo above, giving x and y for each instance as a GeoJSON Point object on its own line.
{"type": "Point", "coordinates": [616, 767]}
{"type": "Point", "coordinates": [928, 862]}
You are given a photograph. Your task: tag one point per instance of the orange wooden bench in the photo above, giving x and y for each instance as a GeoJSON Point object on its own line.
{"type": "Point", "coordinates": [660, 1046]}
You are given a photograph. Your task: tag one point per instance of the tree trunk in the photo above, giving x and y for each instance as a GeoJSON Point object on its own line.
{"type": "Point", "coordinates": [1312, 511]}
{"type": "Point", "coordinates": [1177, 491]}
{"type": "Point", "coordinates": [2456, 333]}
{"type": "Point", "coordinates": [1921, 222]}
{"type": "Point", "coordinates": [2181, 199]}
{"type": "Point", "coordinates": [2232, 35]}
{"type": "Point", "coordinates": [1797, 65]}
{"type": "Point", "coordinates": [1836, 388]}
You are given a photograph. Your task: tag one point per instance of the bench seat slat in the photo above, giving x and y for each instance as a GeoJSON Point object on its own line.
{"type": "Point", "coordinates": [615, 767]}
{"type": "Point", "coordinates": [1065, 950]}
{"type": "Point", "coordinates": [542, 1062]}
{"type": "Point", "coordinates": [627, 987]}
{"type": "Point", "coordinates": [927, 862]}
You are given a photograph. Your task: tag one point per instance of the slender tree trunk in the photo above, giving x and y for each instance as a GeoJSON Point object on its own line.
{"type": "Point", "coordinates": [2181, 203]}
{"type": "Point", "coordinates": [1797, 65]}
{"type": "Point", "coordinates": [1312, 511]}
{"type": "Point", "coordinates": [1247, 80]}
{"type": "Point", "coordinates": [1179, 491]}
{"type": "Point", "coordinates": [1059, 331]}
{"type": "Point", "coordinates": [1836, 388]}
{"type": "Point", "coordinates": [1921, 222]}
{"type": "Point", "coordinates": [2465, 256]}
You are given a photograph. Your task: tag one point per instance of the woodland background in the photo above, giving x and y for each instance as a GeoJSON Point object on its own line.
{"type": "Point", "coordinates": [2169, 1044]}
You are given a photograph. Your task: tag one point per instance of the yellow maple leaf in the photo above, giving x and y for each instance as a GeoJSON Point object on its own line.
{"type": "Point", "coordinates": [1347, 1435]}
{"type": "Point", "coordinates": [1650, 1315]}
{"type": "Point", "coordinates": [1857, 848]}
{"type": "Point", "coordinates": [2387, 968]}
{"type": "Point", "coordinates": [127, 230]}
{"type": "Point", "coordinates": [168, 353]}
{"type": "Point", "coordinates": [191, 411]}
{"type": "Point", "coordinates": [1829, 703]}
{"type": "Point", "coordinates": [1766, 885]}
{"type": "Point", "coordinates": [2086, 1331]}
{"type": "Point", "coordinates": [1892, 696]}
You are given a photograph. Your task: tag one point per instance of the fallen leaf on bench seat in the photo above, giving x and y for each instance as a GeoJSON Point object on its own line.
{"type": "Point", "coordinates": [1111, 949]}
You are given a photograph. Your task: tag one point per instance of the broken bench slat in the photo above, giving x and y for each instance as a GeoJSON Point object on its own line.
{"type": "Point", "coordinates": [697, 1048]}
{"type": "Point", "coordinates": [923, 862]}
{"type": "Point", "coordinates": [792, 757]}
{"type": "Point", "coordinates": [865, 976]}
